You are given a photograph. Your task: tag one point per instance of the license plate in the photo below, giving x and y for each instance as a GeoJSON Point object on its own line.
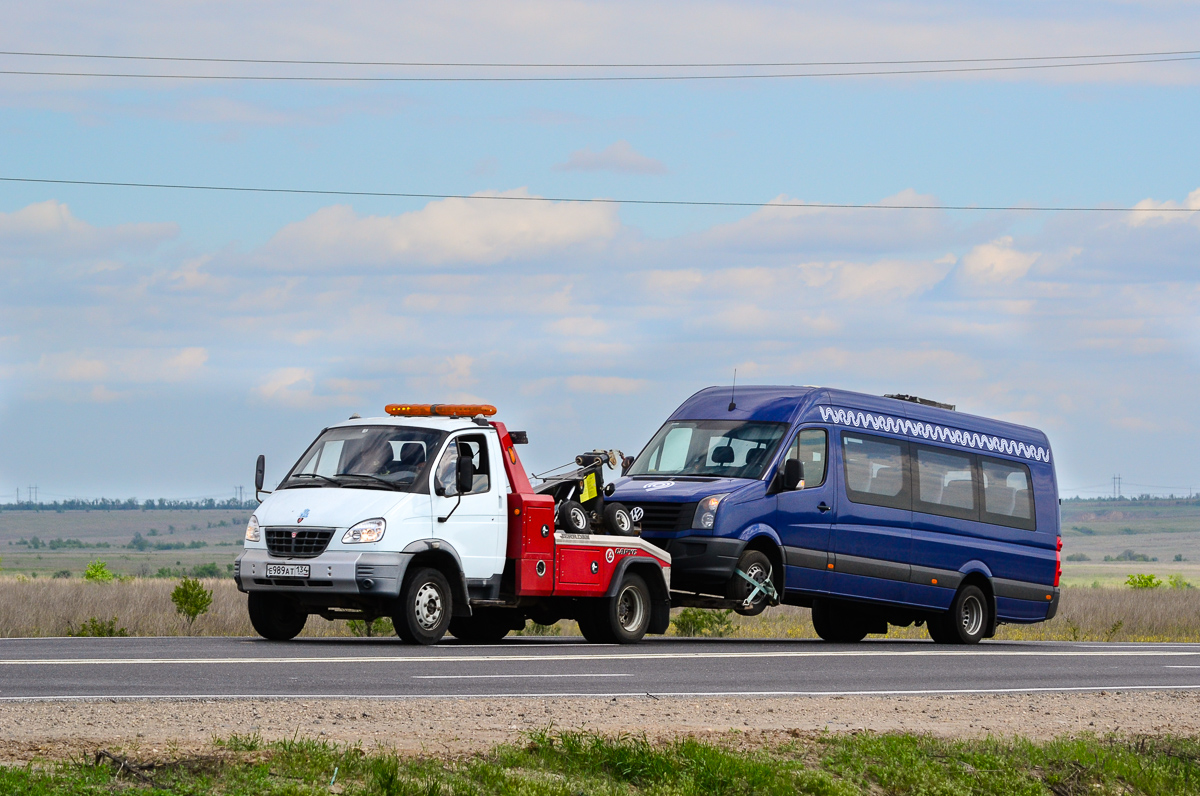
{"type": "Point", "coordinates": [287, 570]}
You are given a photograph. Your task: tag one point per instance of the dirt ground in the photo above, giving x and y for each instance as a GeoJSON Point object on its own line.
{"type": "Point", "coordinates": [57, 730]}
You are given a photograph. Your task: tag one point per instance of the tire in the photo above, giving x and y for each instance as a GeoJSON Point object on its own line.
{"type": "Point", "coordinates": [623, 618]}
{"type": "Point", "coordinates": [572, 517]}
{"type": "Point", "coordinates": [483, 626]}
{"type": "Point", "coordinates": [274, 617]}
{"type": "Point", "coordinates": [617, 520]}
{"type": "Point", "coordinates": [756, 565]}
{"type": "Point", "coordinates": [834, 622]}
{"type": "Point", "coordinates": [425, 609]}
{"type": "Point", "coordinates": [967, 620]}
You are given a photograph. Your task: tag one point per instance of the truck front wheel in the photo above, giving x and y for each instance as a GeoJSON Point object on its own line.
{"type": "Point", "coordinates": [273, 616]}
{"type": "Point", "coordinates": [426, 605]}
{"type": "Point", "coordinates": [622, 619]}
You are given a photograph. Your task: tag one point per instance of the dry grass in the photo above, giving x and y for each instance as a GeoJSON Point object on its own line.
{"type": "Point", "coordinates": [143, 607]}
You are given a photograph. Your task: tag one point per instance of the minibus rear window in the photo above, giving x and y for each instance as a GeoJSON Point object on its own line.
{"type": "Point", "coordinates": [1007, 494]}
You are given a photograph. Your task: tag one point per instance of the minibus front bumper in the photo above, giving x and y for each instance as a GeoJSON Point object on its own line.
{"type": "Point", "coordinates": [332, 572]}
{"type": "Point", "coordinates": [701, 563]}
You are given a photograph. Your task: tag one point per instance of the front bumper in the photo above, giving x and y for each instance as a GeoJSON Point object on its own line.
{"type": "Point", "coordinates": [701, 563]}
{"type": "Point", "coordinates": [332, 572]}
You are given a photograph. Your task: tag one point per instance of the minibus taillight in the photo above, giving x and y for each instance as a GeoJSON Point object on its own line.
{"type": "Point", "coordinates": [1058, 563]}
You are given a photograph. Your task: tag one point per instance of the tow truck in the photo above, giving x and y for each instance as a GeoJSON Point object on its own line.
{"type": "Point", "coordinates": [426, 515]}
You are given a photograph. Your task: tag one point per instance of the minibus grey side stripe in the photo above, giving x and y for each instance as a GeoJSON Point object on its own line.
{"type": "Point", "coordinates": [946, 578]}
{"type": "Point", "coordinates": [871, 567]}
{"type": "Point", "coordinates": [803, 557]}
{"type": "Point", "coordinates": [1020, 590]}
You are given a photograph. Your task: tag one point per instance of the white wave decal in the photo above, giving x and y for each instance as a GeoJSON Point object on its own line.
{"type": "Point", "coordinates": [913, 428]}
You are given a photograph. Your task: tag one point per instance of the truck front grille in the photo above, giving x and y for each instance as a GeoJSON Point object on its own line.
{"type": "Point", "coordinates": [298, 543]}
{"type": "Point", "coordinates": [663, 517]}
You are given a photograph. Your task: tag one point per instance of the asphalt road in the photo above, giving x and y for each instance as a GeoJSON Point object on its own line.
{"type": "Point", "coordinates": [79, 668]}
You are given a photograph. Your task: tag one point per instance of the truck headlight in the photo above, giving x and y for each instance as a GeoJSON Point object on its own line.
{"type": "Point", "coordinates": [252, 532]}
{"type": "Point", "coordinates": [706, 512]}
{"type": "Point", "coordinates": [365, 531]}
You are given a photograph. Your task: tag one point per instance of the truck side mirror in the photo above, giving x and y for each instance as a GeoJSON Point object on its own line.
{"type": "Point", "coordinates": [626, 463]}
{"type": "Point", "coordinates": [793, 473]}
{"type": "Point", "coordinates": [464, 475]}
{"type": "Point", "coordinates": [260, 469]}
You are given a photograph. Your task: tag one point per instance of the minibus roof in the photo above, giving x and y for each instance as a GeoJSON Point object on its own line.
{"type": "Point", "coordinates": [782, 404]}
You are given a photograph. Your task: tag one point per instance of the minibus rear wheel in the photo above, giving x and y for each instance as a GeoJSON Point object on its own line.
{"type": "Point", "coordinates": [967, 620]}
{"type": "Point", "coordinates": [274, 617]}
{"type": "Point", "coordinates": [425, 607]}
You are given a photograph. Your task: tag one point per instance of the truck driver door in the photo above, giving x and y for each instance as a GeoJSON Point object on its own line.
{"type": "Point", "coordinates": [473, 525]}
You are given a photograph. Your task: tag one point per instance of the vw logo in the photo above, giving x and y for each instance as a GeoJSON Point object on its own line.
{"type": "Point", "coordinates": [653, 485]}
{"type": "Point", "coordinates": [609, 555]}
{"type": "Point", "coordinates": [637, 514]}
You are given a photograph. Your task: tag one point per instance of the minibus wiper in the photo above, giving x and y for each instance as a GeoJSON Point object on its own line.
{"type": "Point", "coordinates": [389, 484]}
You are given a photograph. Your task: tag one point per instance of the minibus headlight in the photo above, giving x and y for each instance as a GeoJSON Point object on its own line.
{"type": "Point", "coordinates": [706, 512]}
{"type": "Point", "coordinates": [252, 532]}
{"type": "Point", "coordinates": [365, 531]}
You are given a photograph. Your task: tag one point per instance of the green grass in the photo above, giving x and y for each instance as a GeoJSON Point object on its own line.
{"type": "Point", "coordinates": [566, 764]}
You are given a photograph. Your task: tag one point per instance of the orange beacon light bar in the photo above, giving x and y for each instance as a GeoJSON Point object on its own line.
{"type": "Point", "coordinates": [439, 410]}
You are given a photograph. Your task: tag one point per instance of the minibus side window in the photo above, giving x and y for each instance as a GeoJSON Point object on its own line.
{"type": "Point", "coordinates": [809, 448]}
{"type": "Point", "coordinates": [1008, 494]}
{"type": "Point", "coordinates": [876, 471]}
{"type": "Point", "coordinates": [945, 483]}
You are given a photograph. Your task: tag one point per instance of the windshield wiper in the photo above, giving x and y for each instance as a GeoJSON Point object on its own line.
{"type": "Point", "coordinates": [389, 484]}
{"type": "Point", "coordinates": [316, 475]}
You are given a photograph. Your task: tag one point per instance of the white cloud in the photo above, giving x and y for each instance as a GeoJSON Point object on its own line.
{"type": "Point", "coordinates": [1146, 208]}
{"type": "Point", "coordinates": [135, 366]}
{"type": "Point", "coordinates": [296, 387]}
{"type": "Point", "coordinates": [445, 231]}
{"type": "Point", "coordinates": [997, 263]}
{"type": "Point", "coordinates": [620, 158]}
{"type": "Point", "coordinates": [605, 385]}
{"type": "Point", "coordinates": [49, 230]}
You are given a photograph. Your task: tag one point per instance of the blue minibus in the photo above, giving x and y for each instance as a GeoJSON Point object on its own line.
{"type": "Point", "coordinates": [872, 511]}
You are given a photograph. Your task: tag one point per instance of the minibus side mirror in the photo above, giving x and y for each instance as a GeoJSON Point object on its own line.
{"type": "Point", "coordinates": [793, 473]}
{"type": "Point", "coordinates": [260, 469]}
{"type": "Point", "coordinates": [464, 476]}
{"type": "Point", "coordinates": [626, 463]}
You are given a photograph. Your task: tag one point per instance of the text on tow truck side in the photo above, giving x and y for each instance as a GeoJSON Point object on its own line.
{"type": "Point", "coordinates": [426, 515]}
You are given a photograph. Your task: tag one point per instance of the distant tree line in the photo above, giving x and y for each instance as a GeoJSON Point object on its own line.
{"type": "Point", "coordinates": [130, 504]}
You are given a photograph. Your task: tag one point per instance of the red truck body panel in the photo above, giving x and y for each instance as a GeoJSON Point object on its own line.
{"type": "Point", "coordinates": [563, 565]}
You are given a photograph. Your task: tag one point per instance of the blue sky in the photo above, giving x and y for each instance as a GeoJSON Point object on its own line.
{"type": "Point", "coordinates": [153, 342]}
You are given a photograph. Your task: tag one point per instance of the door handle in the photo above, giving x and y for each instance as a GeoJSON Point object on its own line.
{"type": "Point", "coordinates": [822, 507]}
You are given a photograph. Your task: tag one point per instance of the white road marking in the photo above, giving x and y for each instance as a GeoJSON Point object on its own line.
{"type": "Point", "coordinates": [596, 695]}
{"type": "Point", "coordinates": [505, 676]}
{"type": "Point", "coordinates": [1181, 667]}
{"type": "Point", "coordinates": [615, 656]}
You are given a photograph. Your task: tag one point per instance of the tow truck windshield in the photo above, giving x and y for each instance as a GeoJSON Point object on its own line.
{"type": "Point", "coordinates": [367, 457]}
{"type": "Point", "coordinates": [713, 448]}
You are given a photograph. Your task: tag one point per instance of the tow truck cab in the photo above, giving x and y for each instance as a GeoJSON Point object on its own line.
{"type": "Point", "coordinates": [427, 516]}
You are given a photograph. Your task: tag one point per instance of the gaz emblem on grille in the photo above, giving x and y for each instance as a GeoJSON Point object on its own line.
{"type": "Point", "coordinates": [294, 534]}
{"type": "Point", "coordinates": [303, 514]}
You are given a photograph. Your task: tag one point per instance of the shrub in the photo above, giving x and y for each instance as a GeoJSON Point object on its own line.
{"type": "Point", "coordinates": [1078, 557]}
{"type": "Point", "coordinates": [99, 628]}
{"type": "Point", "coordinates": [701, 622]}
{"type": "Point", "coordinates": [1177, 582]}
{"type": "Point", "coordinates": [1179, 557]}
{"type": "Point", "coordinates": [97, 572]}
{"type": "Point", "coordinates": [1143, 581]}
{"type": "Point", "coordinates": [63, 573]}
{"type": "Point", "coordinates": [380, 627]}
{"type": "Point", "coordinates": [191, 600]}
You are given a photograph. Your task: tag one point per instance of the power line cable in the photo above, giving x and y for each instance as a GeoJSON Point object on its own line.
{"type": "Point", "coordinates": [584, 78]}
{"type": "Point", "coordinates": [596, 200]}
{"type": "Point", "coordinates": [519, 65]}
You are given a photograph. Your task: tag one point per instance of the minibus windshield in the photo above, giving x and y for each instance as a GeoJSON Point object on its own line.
{"type": "Point", "coordinates": [714, 448]}
{"type": "Point", "coordinates": [367, 457]}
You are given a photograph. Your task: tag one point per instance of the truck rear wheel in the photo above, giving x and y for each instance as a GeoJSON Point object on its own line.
{"type": "Point", "coordinates": [622, 619]}
{"type": "Point", "coordinates": [274, 617]}
{"type": "Point", "coordinates": [834, 623]}
{"type": "Point", "coordinates": [425, 607]}
{"type": "Point", "coordinates": [965, 622]}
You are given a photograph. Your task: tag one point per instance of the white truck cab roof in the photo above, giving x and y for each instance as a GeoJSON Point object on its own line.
{"type": "Point", "coordinates": [439, 423]}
